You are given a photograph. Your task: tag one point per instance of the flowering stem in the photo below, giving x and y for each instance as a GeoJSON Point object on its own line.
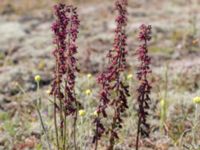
{"type": "Point", "coordinates": [138, 133]}
{"type": "Point", "coordinates": [113, 126]}
{"type": "Point", "coordinates": [144, 88]}
{"type": "Point", "coordinates": [114, 92]}
{"type": "Point", "coordinates": [65, 29]}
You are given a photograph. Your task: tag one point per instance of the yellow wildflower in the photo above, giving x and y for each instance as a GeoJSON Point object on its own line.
{"type": "Point", "coordinates": [89, 75]}
{"type": "Point", "coordinates": [162, 102]}
{"type": "Point", "coordinates": [81, 112]}
{"type": "Point", "coordinates": [196, 100]}
{"type": "Point", "coordinates": [95, 113]}
{"type": "Point", "coordinates": [48, 91]}
{"type": "Point", "coordinates": [130, 76]}
{"type": "Point", "coordinates": [37, 78]}
{"type": "Point", "coordinates": [88, 92]}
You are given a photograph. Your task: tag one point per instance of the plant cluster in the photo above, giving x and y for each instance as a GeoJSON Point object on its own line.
{"type": "Point", "coordinates": [113, 90]}
{"type": "Point", "coordinates": [65, 29]}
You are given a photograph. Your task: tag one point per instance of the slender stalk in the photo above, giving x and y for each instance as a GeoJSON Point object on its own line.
{"type": "Point", "coordinates": [65, 29]}
{"type": "Point", "coordinates": [55, 103]}
{"type": "Point", "coordinates": [75, 121]}
{"type": "Point", "coordinates": [55, 124]}
{"type": "Point", "coordinates": [166, 81]}
{"type": "Point", "coordinates": [96, 132]}
{"type": "Point", "coordinates": [38, 105]}
{"type": "Point", "coordinates": [76, 105]}
{"type": "Point", "coordinates": [65, 125]}
{"type": "Point", "coordinates": [61, 119]}
{"type": "Point", "coordinates": [111, 82]}
{"type": "Point", "coordinates": [65, 134]}
{"type": "Point", "coordinates": [43, 127]}
{"type": "Point", "coordinates": [59, 89]}
{"type": "Point", "coordinates": [112, 140]}
{"type": "Point", "coordinates": [138, 134]}
{"type": "Point", "coordinates": [144, 88]}
{"type": "Point", "coordinates": [96, 143]}
{"type": "Point", "coordinates": [195, 123]}
{"type": "Point", "coordinates": [163, 102]}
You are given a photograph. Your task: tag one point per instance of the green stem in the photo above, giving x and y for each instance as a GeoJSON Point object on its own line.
{"type": "Point", "coordinates": [64, 137]}
{"type": "Point", "coordinates": [38, 106]}
{"type": "Point", "coordinates": [75, 121]}
{"type": "Point", "coordinates": [138, 134]}
{"type": "Point", "coordinates": [55, 124]}
{"type": "Point", "coordinates": [195, 123]}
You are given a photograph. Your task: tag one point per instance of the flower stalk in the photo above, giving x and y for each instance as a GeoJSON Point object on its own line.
{"type": "Point", "coordinates": [38, 106]}
{"type": "Point", "coordinates": [65, 29]}
{"type": "Point", "coordinates": [113, 91]}
{"type": "Point", "coordinates": [144, 88]}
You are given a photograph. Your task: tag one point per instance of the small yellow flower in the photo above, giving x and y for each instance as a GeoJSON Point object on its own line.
{"type": "Point", "coordinates": [162, 102]}
{"type": "Point", "coordinates": [196, 100]}
{"type": "Point", "coordinates": [81, 112]}
{"type": "Point", "coordinates": [48, 91]}
{"type": "Point", "coordinates": [88, 92]}
{"type": "Point", "coordinates": [130, 76]}
{"type": "Point", "coordinates": [37, 78]}
{"type": "Point", "coordinates": [89, 75]}
{"type": "Point", "coordinates": [95, 113]}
